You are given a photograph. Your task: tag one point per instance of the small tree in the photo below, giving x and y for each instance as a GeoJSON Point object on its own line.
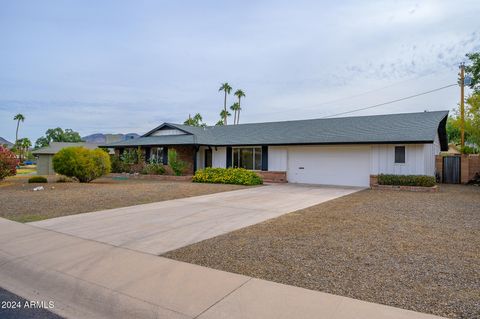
{"type": "Point", "coordinates": [82, 163]}
{"type": "Point", "coordinates": [8, 163]}
{"type": "Point", "coordinates": [178, 166]}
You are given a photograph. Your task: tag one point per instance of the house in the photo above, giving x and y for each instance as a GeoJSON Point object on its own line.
{"type": "Point", "coordinates": [335, 151]}
{"type": "Point", "coordinates": [44, 155]}
{"type": "Point", "coordinates": [4, 142]}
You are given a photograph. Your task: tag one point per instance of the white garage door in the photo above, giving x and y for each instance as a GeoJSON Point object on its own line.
{"type": "Point", "coordinates": [339, 165]}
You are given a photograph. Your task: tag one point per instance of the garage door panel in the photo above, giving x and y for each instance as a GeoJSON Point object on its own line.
{"type": "Point", "coordinates": [329, 165]}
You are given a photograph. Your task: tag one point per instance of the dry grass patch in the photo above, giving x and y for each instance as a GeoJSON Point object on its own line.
{"type": "Point", "coordinates": [19, 202]}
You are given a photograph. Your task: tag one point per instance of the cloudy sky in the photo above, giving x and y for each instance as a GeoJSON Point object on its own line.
{"type": "Point", "coordinates": [127, 66]}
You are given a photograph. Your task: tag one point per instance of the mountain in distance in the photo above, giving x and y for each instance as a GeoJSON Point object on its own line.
{"type": "Point", "coordinates": [100, 138]}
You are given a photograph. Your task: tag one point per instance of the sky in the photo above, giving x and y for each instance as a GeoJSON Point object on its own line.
{"type": "Point", "coordinates": [128, 66]}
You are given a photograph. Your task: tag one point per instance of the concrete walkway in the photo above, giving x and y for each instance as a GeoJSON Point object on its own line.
{"type": "Point", "coordinates": [160, 227]}
{"type": "Point", "coordinates": [89, 279]}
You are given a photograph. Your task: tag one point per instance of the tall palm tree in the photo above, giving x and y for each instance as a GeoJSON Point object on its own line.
{"type": "Point", "coordinates": [224, 114]}
{"type": "Point", "coordinates": [226, 88]}
{"type": "Point", "coordinates": [239, 94]}
{"type": "Point", "coordinates": [19, 117]}
{"type": "Point", "coordinates": [235, 107]}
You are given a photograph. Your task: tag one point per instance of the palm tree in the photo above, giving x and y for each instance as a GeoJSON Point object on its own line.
{"type": "Point", "coordinates": [224, 114]}
{"type": "Point", "coordinates": [225, 87]}
{"type": "Point", "coordinates": [25, 145]}
{"type": "Point", "coordinates": [19, 117]}
{"type": "Point", "coordinates": [235, 107]}
{"type": "Point", "coordinates": [239, 94]}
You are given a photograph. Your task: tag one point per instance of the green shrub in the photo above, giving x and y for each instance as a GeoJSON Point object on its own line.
{"type": "Point", "coordinates": [177, 165]}
{"type": "Point", "coordinates": [117, 166]}
{"type": "Point", "coordinates": [81, 163]}
{"type": "Point", "coordinates": [8, 163]}
{"type": "Point", "coordinates": [406, 180]}
{"type": "Point", "coordinates": [154, 169]}
{"type": "Point", "coordinates": [239, 176]}
{"type": "Point", "coordinates": [64, 179]}
{"type": "Point", "coordinates": [37, 179]}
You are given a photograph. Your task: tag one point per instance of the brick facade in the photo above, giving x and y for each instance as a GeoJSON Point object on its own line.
{"type": "Point", "coordinates": [186, 154]}
{"type": "Point", "coordinates": [272, 176]}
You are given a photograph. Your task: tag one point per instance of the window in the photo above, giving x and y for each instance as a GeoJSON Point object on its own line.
{"type": "Point", "coordinates": [247, 157]}
{"type": "Point", "coordinates": [399, 154]}
{"type": "Point", "coordinates": [156, 155]}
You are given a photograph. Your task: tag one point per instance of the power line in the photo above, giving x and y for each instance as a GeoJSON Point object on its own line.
{"type": "Point", "coordinates": [393, 101]}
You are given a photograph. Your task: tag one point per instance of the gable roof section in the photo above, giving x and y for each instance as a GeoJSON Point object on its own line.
{"type": "Point", "coordinates": [378, 129]}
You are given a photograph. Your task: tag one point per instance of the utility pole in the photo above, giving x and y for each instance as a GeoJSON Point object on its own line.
{"type": "Point", "coordinates": [462, 106]}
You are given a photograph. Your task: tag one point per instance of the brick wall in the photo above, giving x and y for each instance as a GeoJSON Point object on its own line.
{"type": "Point", "coordinates": [473, 165]}
{"type": "Point", "coordinates": [185, 153]}
{"type": "Point", "coordinates": [273, 176]}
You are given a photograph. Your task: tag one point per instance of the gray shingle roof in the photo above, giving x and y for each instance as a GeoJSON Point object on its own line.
{"type": "Point", "coordinates": [391, 128]}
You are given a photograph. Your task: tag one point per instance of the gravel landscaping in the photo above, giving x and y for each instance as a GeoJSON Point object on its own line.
{"type": "Point", "coordinates": [19, 202]}
{"type": "Point", "coordinates": [417, 251]}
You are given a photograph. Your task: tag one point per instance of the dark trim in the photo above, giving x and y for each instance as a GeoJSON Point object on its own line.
{"type": "Point", "coordinates": [162, 126]}
{"type": "Point", "coordinates": [229, 156]}
{"type": "Point", "coordinates": [264, 157]}
{"type": "Point", "coordinates": [148, 151]}
{"type": "Point", "coordinates": [332, 143]}
{"type": "Point", "coordinates": [442, 134]}
{"type": "Point", "coordinates": [195, 159]}
{"type": "Point", "coordinates": [165, 155]}
{"type": "Point", "coordinates": [282, 144]}
{"type": "Point", "coordinates": [205, 164]}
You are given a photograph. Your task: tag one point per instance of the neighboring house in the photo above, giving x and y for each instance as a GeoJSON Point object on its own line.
{"type": "Point", "coordinates": [44, 155]}
{"type": "Point", "coordinates": [336, 151]}
{"type": "Point", "coordinates": [4, 142]}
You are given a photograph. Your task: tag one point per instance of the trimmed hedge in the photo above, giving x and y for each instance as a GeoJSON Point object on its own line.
{"type": "Point", "coordinates": [239, 176]}
{"type": "Point", "coordinates": [406, 180]}
{"type": "Point", "coordinates": [37, 179]}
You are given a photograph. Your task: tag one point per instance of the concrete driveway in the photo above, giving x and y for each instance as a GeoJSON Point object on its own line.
{"type": "Point", "coordinates": [160, 227]}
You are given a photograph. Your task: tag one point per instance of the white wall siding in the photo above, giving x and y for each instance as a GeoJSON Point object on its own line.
{"type": "Point", "coordinates": [383, 160]}
{"type": "Point", "coordinates": [164, 132]}
{"type": "Point", "coordinates": [430, 151]}
{"type": "Point", "coordinates": [219, 157]}
{"type": "Point", "coordinates": [277, 158]}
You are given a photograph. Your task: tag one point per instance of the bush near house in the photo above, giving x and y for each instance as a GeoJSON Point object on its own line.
{"type": "Point", "coordinates": [177, 165]}
{"type": "Point", "coordinates": [406, 180]}
{"type": "Point", "coordinates": [153, 168]}
{"type": "Point", "coordinates": [8, 163]}
{"type": "Point", "coordinates": [239, 176]}
{"type": "Point", "coordinates": [82, 163]}
{"type": "Point", "coordinates": [37, 179]}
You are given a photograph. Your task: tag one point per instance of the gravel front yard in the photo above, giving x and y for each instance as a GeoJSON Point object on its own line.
{"type": "Point", "coordinates": [20, 203]}
{"type": "Point", "coordinates": [418, 251]}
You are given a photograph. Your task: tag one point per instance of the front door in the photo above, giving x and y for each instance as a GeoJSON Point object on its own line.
{"type": "Point", "coordinates": [208, 157]}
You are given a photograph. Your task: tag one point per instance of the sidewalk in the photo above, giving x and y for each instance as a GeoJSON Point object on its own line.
{"type": "Point", "coordinates": [89, 279]}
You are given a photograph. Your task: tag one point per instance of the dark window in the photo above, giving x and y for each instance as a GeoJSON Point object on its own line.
{"type": "Point", "coordinates": [208, 158]}
{"type": "Point", "coordinates": [247, 157]}
{"type": "Point", "coordinates": [399, 154]}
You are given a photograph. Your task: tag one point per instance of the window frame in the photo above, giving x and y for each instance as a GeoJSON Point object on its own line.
{"type": "Point", "coordinates": [253, 148]}
{"type": "Point", "coordinates": [395, 155]}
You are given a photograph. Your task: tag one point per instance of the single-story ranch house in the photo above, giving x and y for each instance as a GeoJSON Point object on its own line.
{"type": "Point", "coordinates": [335, 151]}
